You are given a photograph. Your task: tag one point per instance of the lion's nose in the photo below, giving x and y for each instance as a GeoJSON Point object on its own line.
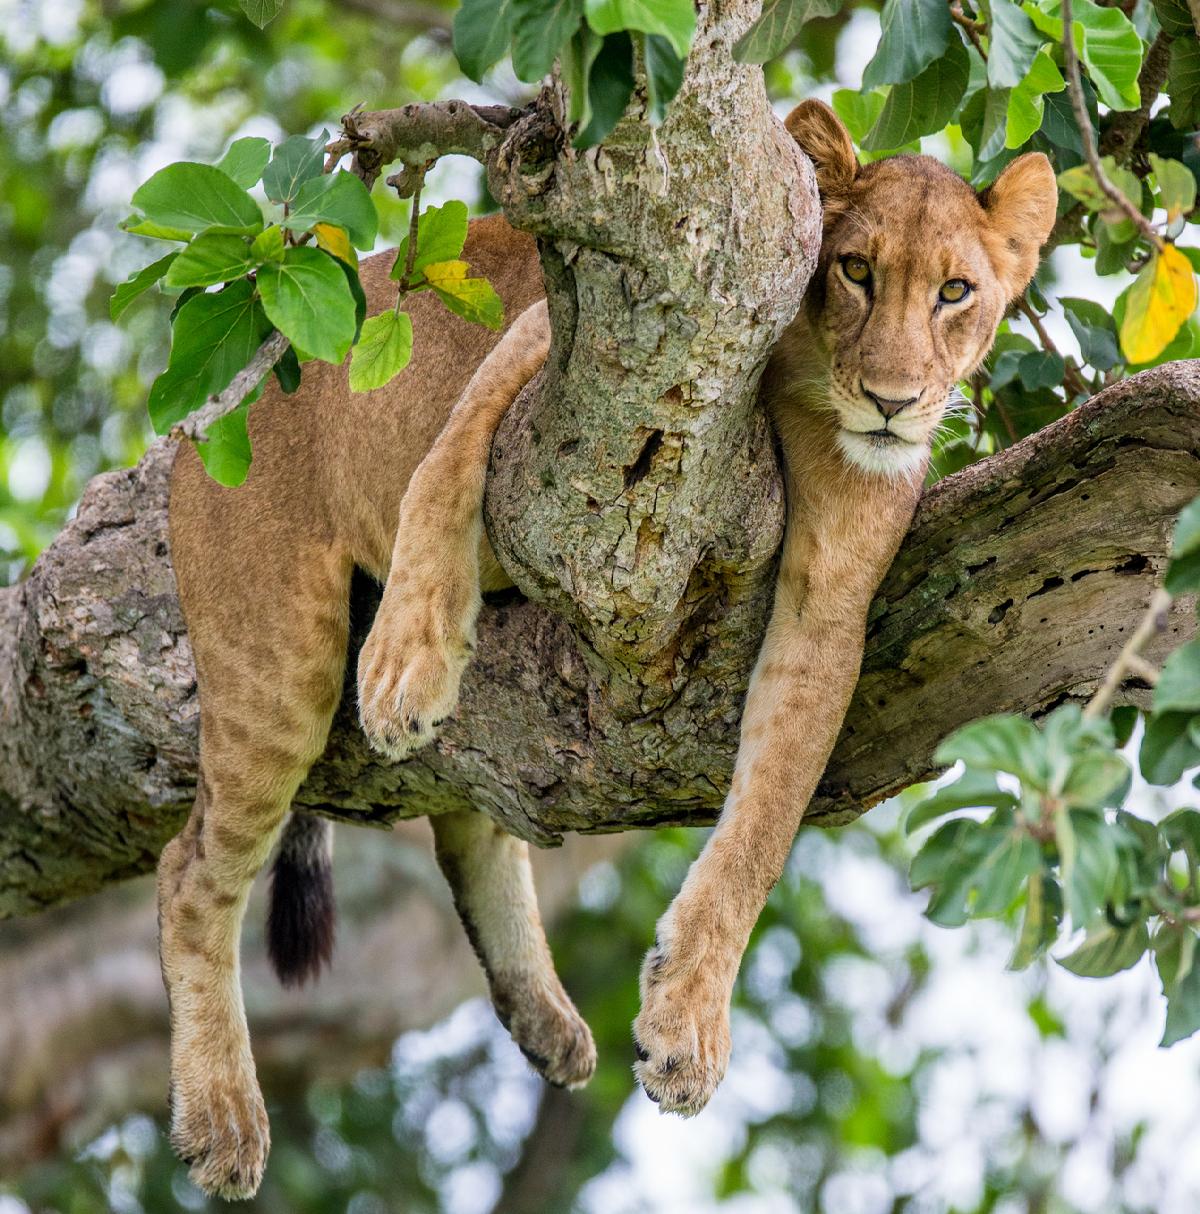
{"type": "Point", "coordinates": [889, 406]}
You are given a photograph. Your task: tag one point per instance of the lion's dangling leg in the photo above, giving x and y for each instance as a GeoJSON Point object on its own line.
{"type": "Point", "coordinates": [265, 713]}
{"type": "Point", "coordinates": [490, 877]}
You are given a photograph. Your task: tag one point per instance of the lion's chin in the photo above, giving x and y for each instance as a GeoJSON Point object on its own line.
{"type": "Point", "coordinates": [883, 453]}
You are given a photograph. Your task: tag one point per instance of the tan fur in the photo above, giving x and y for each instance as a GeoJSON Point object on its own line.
{"type": "Point", "coordinates": [264, 573]}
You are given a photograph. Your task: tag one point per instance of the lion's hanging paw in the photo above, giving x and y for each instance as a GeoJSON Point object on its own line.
{"type": "Point", "coordinates": [681, 1035]}
{"type": "Point", "coordinates": [549, 1032]}
{"type": "Point", "coordinates": [412, 663]}
{"type": "Point", "coordinates": [219, 1129]}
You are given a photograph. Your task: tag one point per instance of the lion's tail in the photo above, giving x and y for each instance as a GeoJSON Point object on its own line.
{"type": "Point", "coordinates": [302, 912]}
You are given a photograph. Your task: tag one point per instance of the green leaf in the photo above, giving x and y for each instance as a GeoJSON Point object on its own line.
{"type": "Point", "coordinates": [261, 12]}
{"type": "Point", "coordinates": [191, 197]}
{"type": "Point", "coordinates": [576, 59]}
{"type": "Point", "coordinates": [1040, 923]}
{"type": "Point", "coordinates": [999, 743]}
{"type": "Point", "coordinates": [226, 449]}
{"type": "Point", "coordinates": [540, 28]}
{"type": "Point", "coordinates": [664, 75]}
{"type": "Point", "coordinates": [1026, 102]}
{"type": "Point", "coordinates": [471, 298]}
{"type": "Point", "coordinates": [610, 85]}
{"type": "Point", "coordinates": [287, 371]}
{"type": "Point", "coordinates": [859, 111]}
{"type": "Point", "coordinates": [1183, 1005]}
{"type": "Point", "coordinates": [1093, 327]}
{"type": "Point", "coordinates": [1079, 183]}
{"type": "Point", "coordinates": [482, 31]}
{"type": "Point", "coordinates": [972, 790]}
{"type": "Point", "coordinates": [441, 234]}
{"type": "Point", "coordinates": [778, 27]}
{"type": "Point", "coordinates": [137, 284]}
{"type": "Point", "coordinates": [268, 244]}
{"type": "Point", "coordinates": [1093, 778]}
{"type": "Point", "coordinates": [1183, 572]}
{"type": "Point", "coordinates": [675, 20]}
{"type": "Point", "coordinates": [1183, 84]}
{"type": "Point", "coordinates": [1178, 688]}
{"type": "Point", "coordinates": [1012, 47]}
{"type": "Point", "coordinates": [294, 161]}
{"type": "Point", "coordinates": [1003, 873]}
{"type": "Point", "coordinates": [1089, 864]}
{"type": "Point", "coordinates": [1108, 950]}
{"type": "Point", "coordinates": [382, 351]}
{"type": "Point", "coordinates": [949, 861]}
{"type": "Point", "coordinates": [1167, 749]}
{"type": "Point", "coordinates": [915, 33]}
{"type": "Point", "coordinates": [307, 298]}
{"type": "Point", "coordinates": [211, 259]}
{"type": "Point", "coordinates": [357, 294]}
{"type": "Point", "coordinates": [1107, 43]}
{"type": "Point", "coordinates": [215, 336]}
{"type": "Point", "coordinates": [137, 225]}
{"type": "Point", "coordinates": [1176, 186]}
{"type": "Point", "coordinates": [1175, 17]}
{"type": "Point", "coordinates": [339, 198]}
{"type": "Point", "coordinates": [1041, 369]}
{"type": "Point", "coordinates": [923, 105]}
{"type": "Point", "coordinates": [1174, 948]}
{"type": "Point", "coordinates": [245, 160]}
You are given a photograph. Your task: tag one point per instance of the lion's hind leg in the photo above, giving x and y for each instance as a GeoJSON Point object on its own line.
{"type": "Point", "coordinates": [265, 712]}
{"type": "Point", "coordinates": [490, 877]}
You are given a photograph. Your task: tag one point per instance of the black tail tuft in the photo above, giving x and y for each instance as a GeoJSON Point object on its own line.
{"type": "Point", "coordinates": [300, 919]}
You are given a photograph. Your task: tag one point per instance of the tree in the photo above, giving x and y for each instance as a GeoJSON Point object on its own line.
{"type": "Point", "coordinates": [94, 658]}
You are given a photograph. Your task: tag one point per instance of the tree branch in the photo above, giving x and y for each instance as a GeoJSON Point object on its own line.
{"type": "Point", "coordinates": [1017, 587]}
{"type": "Point", "coordinates": [420, 133]}
{"type": "Point", "coordinates": [1124, 130]}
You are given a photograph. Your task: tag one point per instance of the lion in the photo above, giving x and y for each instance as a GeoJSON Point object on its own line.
{"type": "Point", "coordinates": [915, 272]}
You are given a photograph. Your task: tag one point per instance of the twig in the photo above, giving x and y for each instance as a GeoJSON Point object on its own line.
{"type": "Point", "coordinates": [1072, 380]}
{"type": "Point", "coordinates": [1084, 122]}
{"type": "Point", "coordinates": [410, 259]}
{"type": "Point", "coordinates": [973, 27]}
{"type": "Point", "coordinates": [1194, 9]}
{"type": "Point", "coordinates": [196, 424]}
{"type": "Point", "coordinates": [1129, 660]}
{"type": "Point", "coordinates": [420, 132]}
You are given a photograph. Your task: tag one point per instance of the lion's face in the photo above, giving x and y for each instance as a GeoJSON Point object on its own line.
{"type": "Point", "coordinates": [915, 273]}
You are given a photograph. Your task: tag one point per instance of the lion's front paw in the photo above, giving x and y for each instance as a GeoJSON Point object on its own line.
{"type": "Point", "coordinates": [408, 675]}
{"type": "Point", "coordinates": [681, 1035]}
{"type": "Point", "coordinates": [219, 1129]}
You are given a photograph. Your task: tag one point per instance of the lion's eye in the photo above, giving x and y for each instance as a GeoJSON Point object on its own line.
{"type": "Point", "coordinates": [954, 291]}
{"type": "Point", "coordinates": [857, 269]}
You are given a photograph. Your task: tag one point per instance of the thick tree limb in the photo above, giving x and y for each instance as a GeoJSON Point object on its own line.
{"type": "Point", "coordinates": [1017, 587]}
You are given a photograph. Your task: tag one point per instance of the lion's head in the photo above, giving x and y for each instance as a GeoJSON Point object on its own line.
{"type": "Point", "coordinates": [915, 273]}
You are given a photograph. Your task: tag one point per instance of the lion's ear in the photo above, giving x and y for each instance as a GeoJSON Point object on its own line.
{"type": "Point", "coordinates": [1021, 204]}
{"type": "Point", "coordinates": [824, 139]}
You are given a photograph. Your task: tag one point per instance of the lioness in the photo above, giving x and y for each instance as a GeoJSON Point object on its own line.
{"type": "Point", "coordinates": [915, 272]}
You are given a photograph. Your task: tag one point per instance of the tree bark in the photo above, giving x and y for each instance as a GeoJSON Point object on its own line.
{"type": "Point", "coordinates": [1013, 592]}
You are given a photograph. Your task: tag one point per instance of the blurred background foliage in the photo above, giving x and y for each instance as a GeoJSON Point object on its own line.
{"type": "Point", "coordinates": [882, 1064]}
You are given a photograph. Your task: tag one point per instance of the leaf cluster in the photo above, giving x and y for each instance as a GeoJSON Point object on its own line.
{"type": "Point", "coordinates": [1036, 822]}
{"type": "Point", "coordinates": [242, 275]}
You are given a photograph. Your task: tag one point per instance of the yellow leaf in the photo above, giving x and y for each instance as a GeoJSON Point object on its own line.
{"type": "Point", "coordinates": [335, 240]}
{"type": "Point", "coordinates": [471, 298]}
{"type": "Point", "coordinates": [1159, 302]}
{"type": "Point", "coordinates": [443, 272]}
